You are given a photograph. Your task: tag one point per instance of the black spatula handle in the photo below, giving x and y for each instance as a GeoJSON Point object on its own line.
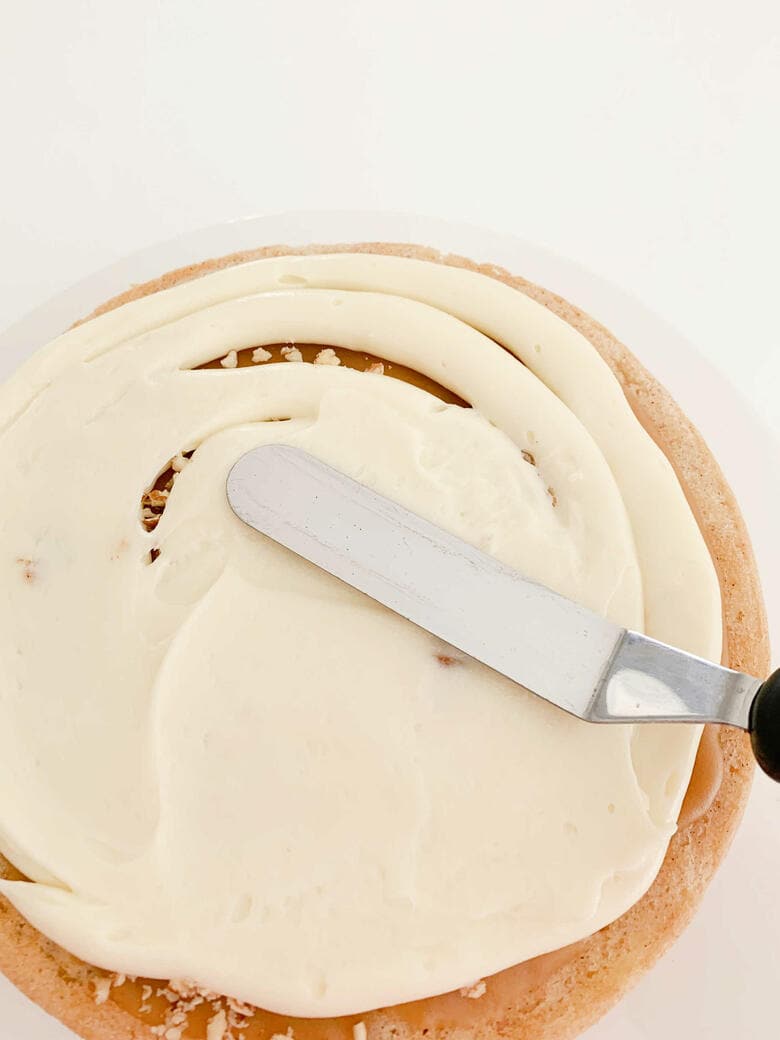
{"type": "Point", "coordinates": [765, 726]}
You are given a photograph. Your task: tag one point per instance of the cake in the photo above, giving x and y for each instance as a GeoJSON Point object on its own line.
{"type": "Point", "coordinates": [323, 308]}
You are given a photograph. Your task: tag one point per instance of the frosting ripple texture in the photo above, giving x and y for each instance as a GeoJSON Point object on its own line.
{"type": "Point", "coordinates": [219, 762]}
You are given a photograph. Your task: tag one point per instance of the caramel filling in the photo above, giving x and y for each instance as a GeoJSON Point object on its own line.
{"type": "Point", "coordinates": [154, 501]}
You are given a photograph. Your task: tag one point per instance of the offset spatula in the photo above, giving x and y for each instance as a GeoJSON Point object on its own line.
{"type": "Point", "coordinates": [577, 660]}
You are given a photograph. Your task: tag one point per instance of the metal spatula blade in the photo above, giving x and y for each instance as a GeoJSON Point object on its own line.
{"type": "Point", "coordinates": [553, 647]}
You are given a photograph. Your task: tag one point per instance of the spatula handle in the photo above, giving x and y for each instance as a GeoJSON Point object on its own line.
{"type": "Point", "coordinates": [765, 726]}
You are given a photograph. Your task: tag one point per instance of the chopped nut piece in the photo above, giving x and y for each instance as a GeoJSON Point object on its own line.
{"type": "Point", "coordinates": [291, 354]}
{"type": "Point", "coordinates": [230, 360]}
{"type": "Point", "coordinates": [188, 989]}
{"type": "Point", "coordinates": [260, 354]}
{"type": "Point", "coordinates": [328, 356]}
{"type": "Point", "coordinates": [240, 1008]}
{"type": "Point", "coordinates": [217, 1026]}
{"type": "Point", "coordinates": [528, 456]}
{"type": "Point", "coordinates": [474, 992]}
{"type": "Point", "coordinates": [230, 1016]}
{"type": "Point", "coordinates": [359, 1031]}
{"type": "Point", "coordinates": [178, 462]}
{"type": "Point", "coordinates": [553, 496]}
{"type": "Point", "coordinates": [102, 988]}
{"type": "Point", "coordinates": [376, 369]}
{"type": "Point", "coordinates": [156, 499]}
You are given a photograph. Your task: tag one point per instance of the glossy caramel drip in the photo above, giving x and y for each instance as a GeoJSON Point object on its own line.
{"type": "Point", "coordinates": [705, 780]}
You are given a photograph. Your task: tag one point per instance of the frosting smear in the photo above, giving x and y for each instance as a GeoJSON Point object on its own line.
{"type": "Point", "coordinates": [218, 762]}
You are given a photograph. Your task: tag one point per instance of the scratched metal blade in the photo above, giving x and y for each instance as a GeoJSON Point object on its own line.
{"type": "Point", "coordinates": [465, 597]}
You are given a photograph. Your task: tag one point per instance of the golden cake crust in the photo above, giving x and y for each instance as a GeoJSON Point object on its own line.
{"type": "Point", "coordinates": [556, 996]}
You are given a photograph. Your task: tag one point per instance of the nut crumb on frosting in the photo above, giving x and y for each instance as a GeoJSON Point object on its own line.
{"type": "Point", "coordinates": [122, 546]}
{"type": "Point", "coordinates": [28, 568]}
{"type": "Point", "coordinates": [328, 356]}
{"type": "Point", "coordinates": [474, 992]}
{"type": "Point", "coordinates": [529, 457]}
{"type": "Point", "coordinates": [230, 360]}
{"type": "Point", "coordinates": [260, 354]}
{"type": "Point", "coordinates": [291, 354]}
{"type": "Point", "coordinates": [447, 660]}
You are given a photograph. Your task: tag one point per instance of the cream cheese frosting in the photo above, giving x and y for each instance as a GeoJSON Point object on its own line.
{"type": "Point", "coordinates": [219, 762]}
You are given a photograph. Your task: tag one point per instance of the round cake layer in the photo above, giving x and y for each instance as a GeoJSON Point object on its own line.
{"type": "Point", "coordinates": [468, 432]}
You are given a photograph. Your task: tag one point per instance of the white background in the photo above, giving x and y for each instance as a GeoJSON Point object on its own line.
{"type": "Point", "coordinates": [637, 138]}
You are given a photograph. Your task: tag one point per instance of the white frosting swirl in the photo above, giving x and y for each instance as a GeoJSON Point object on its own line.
{"type": "Point", "coordinates": [229, 767]}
